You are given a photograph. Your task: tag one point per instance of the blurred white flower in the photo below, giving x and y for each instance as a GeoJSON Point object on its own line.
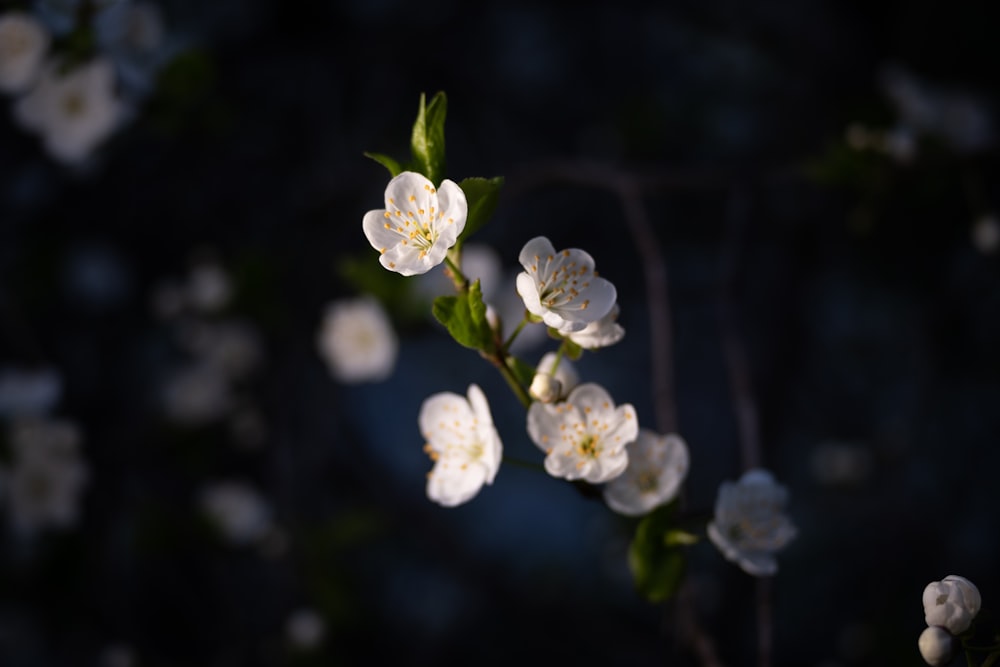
{"type": "Point", "coordinates": [117, 655]}
{"type": "Point", "coordinates": [28, 393]}
{"type": "Point", "coordinates": [357, 341]}
{"type": "Point", "coordinates": [208, 288]}
{"type": "Point", "coordinates": [750, 525]}
{"type": "Point", "coordinates": [305, 629]}
{"type": "Point", "coordinates": [415, 238]}
{"type": "Point", "coordinates": [841, 463]}
{"type": "Point", "coordinates": [951, 603]}
{"type": "Point", "coordinates": [47, 476]}
{"type": "Point", "coordinates": [463, 443]}
{"type": "Point", "coordinates": [73, 110]}
{"type": "Point", "coordinates": [133, 34]}
{"type": "Point", "coordinates": [240, 513]}
{"type": "Point", "coordinates": [936, 646]}
{"type": "Point", "coordinates": [957, 117]}
{"type": "Point", "coordinates": [562, 288]}
{"type": "Point", "coordinates": [602, 333]}
{"type": "Point", "coordinates": [585, 436]}
{"type": "Point", "coordinates": [231, 346]}
{"type": "Point", "coordinates": [197, 394]}
{"type": "Point", "coordinates": [23, 45]}
{"type": "Point", "coordinates": [986, 234]}
{"type": "Point", "coordinates": [657, 467]}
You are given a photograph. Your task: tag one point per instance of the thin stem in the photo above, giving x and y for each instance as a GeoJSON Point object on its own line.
{"type": "Point", "coordinates": [508, 375]}
{"type": "Point", "coordinates": [969, 660]}
{"type": "Point", "coordinates": [461, 282]}
{"type": "Point", "coordinates": [520, 463]}
{"type": "Point", "coordinates": [991, 659]}
{"type": "Point", "coordinates": [513, 336]}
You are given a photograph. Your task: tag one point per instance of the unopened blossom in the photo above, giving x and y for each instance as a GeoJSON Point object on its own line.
{"type": "Point", "coordinates": [463, 443]}
{"type": "Point", "coordinates": [584, 437]}
{"type": "Point", "coordinates": [562, 287]}
{"type": "Point", "coordinates": [48, 474]}
{"type": "Point", "coordinates": [238, 510]}
{"type": "Point", "coordinates": [550, 386]}
{"type": "Point", "coordinates": [418, 224]}
{"type": "Point", "coordinates": [602, 333]}
{"type": "Point", "coordinates": [657, 466]}
{"type": "Point", "coordinates": [73, 110]}
{"type": "Point", "coordinates": [357, 341]}
{"type": "Point", "coordinates": [23, 44]}
{"type": "Point", "coordinates": [951, 603]}
{"type": "Point", "coordinates": [937, 646]}
{"type": "Point", "coordinates": [750, 525]}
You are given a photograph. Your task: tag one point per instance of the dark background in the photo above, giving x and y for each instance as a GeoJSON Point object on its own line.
{"type": "Point", "coordinates": [867, 316]}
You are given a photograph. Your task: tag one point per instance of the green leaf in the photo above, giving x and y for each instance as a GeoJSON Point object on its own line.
{"type": "Point", "coordinates": [482, 195]}
{"type": "Point", "coordinates": [657, 564]}
{"type": "Point", "coordinates": [427, 140]}
{"type": "Point", "coordinates": [523, 371]}
{"type": "Point", "coordinates": [465, 318]}
{"type": "Point", "coordinates": [389, 163]}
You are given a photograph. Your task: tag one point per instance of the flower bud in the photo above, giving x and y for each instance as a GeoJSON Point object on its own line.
{"type": "Point", "coordinates": [545, 388]}
{"type": "Point", "coordinates": [936, 646]}
{"type": "Point", "coordinates": [951, 603]}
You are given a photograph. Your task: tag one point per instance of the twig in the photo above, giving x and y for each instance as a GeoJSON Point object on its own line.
{"type": "Point", "coordinates": [742, 389]}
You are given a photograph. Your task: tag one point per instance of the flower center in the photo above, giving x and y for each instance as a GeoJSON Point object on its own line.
{"type": "Point", "coordinates": [418, 226]}
{"type": "Point", "coordinates": [647, 481]}
{"type": "Point", "coordinates": [73, 104]}
{"type": "Point", "coordinates": [588, 446]}
{"type": "Point", "coordinates": [559, 281]}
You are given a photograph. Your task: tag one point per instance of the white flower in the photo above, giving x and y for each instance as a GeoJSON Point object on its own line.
{"type": "Point", "coordinates": [23, 43]}
{"type": "Point", "coordinates": [951, 603]}
{"type": "Point", "coordinates": [602, 333]}
{"type": "Point", "coordinates": [585, 436]}
{"type": "Point", "coordinates": [657, 466]}
{"type": "Point", "coordinates": [936, 646]}
{"type": "Point", "coordinates": [463, 443]}
{"type": "Point", "coordinates": [74, 111]}
{"type": "Point", "coordinates": [418, 224]}
{"type": "Point", "coordinates": [237, 510]}
{"type": "Point", "coordinates": [48, 474]}
{"type": "Point", "coordinates": [562, 288]}
{"type": "Point", "coordinates": [749, 525]}
{"type": "Point", "coordinates": [357, 341]}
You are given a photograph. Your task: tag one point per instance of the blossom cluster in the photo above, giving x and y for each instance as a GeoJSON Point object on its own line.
{"type": "Point", "coordinates": [950, 607]}
{"type": "Point", "coordinates": [76, 101]}
{"type": "Point", "coordinates": [584, 434]}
